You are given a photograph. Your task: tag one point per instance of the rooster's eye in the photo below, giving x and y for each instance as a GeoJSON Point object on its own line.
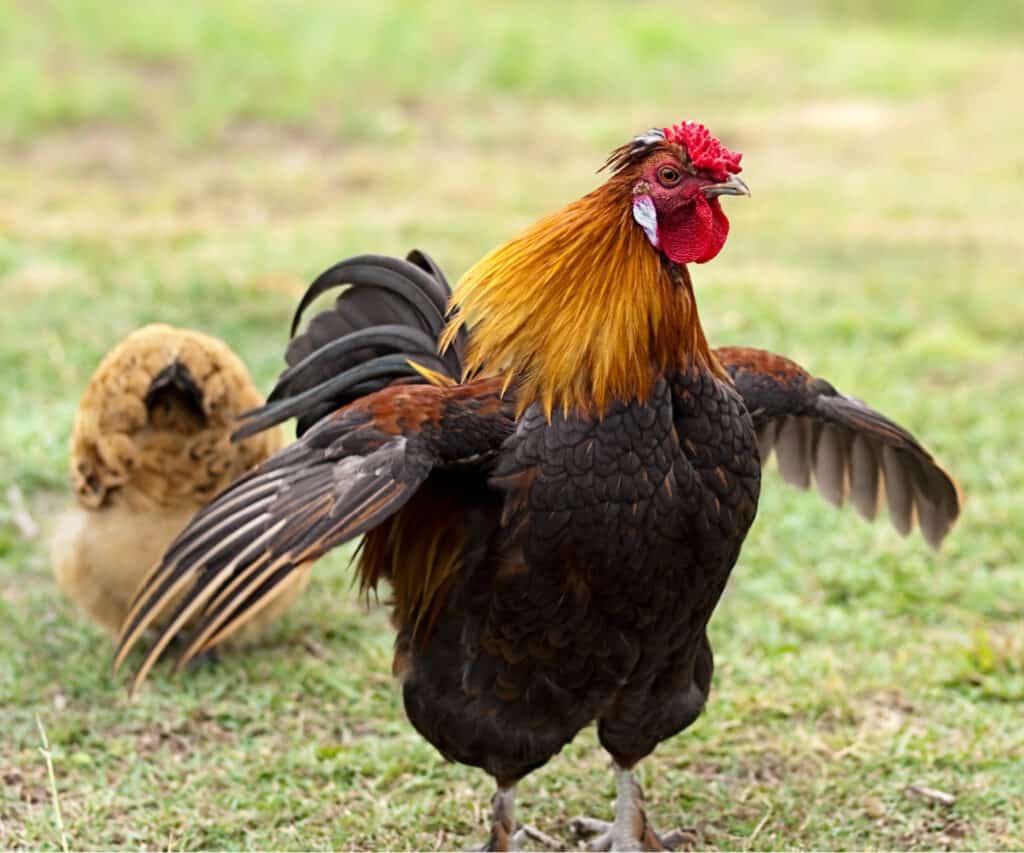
{"type": "Point", "coordinates": [668, 177]}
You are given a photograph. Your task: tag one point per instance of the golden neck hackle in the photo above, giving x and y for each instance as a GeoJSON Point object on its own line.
{"type": "Point", "coordinates": [580, 310]}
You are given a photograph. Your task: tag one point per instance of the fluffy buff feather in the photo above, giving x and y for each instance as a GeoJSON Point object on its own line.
{"type": "Point", "coordinates": [150, 447]}
{"type": "Point", "coordinates": [167, 453]}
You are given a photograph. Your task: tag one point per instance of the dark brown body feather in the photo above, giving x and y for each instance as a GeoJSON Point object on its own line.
{"type": "Point", "coordinates": [596, 555]}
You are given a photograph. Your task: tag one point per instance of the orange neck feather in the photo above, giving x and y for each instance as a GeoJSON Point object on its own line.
{"type": "Point", "coordinates": [580, 310]}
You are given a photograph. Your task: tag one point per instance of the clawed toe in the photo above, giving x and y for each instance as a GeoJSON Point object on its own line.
{"type": "Point", "coordinates": [599, 832]}
{"type": "Point", "coordinates": [678, 838]}
{"type": "Point", "coordinates": [600, 836]}
{"type": "Point", "coordinates": [526, 833]}
{"type": "Point", "coordinates": [525, 837]}
{"type": "Point", "coordinates": [587, 827]}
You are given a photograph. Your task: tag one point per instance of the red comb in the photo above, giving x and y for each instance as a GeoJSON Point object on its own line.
{"type": "Point", "coordinates": [705, 151]}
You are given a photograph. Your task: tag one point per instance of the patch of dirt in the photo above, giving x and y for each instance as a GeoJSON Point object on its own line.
{"type": "Point", "coordinates": [884, 712]}
{"type": "Point", "coordinates": [766, 767]}
{"type": "Point", "coordinates": [936, 834]}
{"type": "Point", "coordinates": [23, 787]}
{"type": "Point", "coordinates": [184, 738]}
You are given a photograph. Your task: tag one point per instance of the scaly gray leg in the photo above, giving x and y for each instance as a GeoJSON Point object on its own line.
{"type": "Point", "coordinates": [505, 834]}
{"type": "Point", "coordinates": [630, 829]}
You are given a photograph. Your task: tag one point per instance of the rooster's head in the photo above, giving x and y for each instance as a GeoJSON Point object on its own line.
{"type": "Point", "coordinates": [592, 302]}
{"type": "Point", "coordinates": [675, 176]}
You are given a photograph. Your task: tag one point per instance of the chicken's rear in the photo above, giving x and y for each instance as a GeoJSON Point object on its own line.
{"type": "Point", "coordinates": [150, 447]}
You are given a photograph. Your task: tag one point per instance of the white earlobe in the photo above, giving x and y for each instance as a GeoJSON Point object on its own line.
{"type": "Point", "coordinates": [647, 218]}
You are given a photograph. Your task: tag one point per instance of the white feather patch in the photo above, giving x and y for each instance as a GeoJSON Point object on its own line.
{"type": "Point", "coordinates": [647, 218]}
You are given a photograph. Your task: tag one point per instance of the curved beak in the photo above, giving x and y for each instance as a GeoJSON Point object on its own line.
{"type": "Point", "coordinates": [733, 186]}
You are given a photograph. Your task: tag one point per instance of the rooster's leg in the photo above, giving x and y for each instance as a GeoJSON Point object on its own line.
{"type": "Point", "coordinates": [630, 830]}
{"type": "Point", "coordinates": [505, 834]}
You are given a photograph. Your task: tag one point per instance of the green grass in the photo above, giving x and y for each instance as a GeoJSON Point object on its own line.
{"type": "Point", "coordinates": [198, 163]}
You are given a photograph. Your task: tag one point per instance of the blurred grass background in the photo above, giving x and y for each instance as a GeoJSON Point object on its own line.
{"type": "Point", "coordinates": [199, 162]}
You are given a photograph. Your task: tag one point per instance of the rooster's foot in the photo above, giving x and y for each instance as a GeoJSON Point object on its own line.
{"type": "Point", "coordinates": [521, 838]}
{"type": "Point", "coordinates": [630, 829]}
{"type": "Point", "coordinates": [601, 836]}
{"type": "Point", "coordinates": [505, 833]}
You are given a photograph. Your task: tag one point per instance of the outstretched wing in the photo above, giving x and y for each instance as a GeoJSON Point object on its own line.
{"type": "Point", "coordinates": [851, 449]}
{"type": "Point", "coordinates": [347, 474]}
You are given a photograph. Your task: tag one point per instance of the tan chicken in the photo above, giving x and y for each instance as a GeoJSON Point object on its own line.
{"type": "Point", "coordinates": [150, 447]}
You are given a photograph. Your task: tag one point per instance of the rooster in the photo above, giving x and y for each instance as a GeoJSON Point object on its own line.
{"type": "Point", "coordinates": [555, 483]}
{"type": "Point", "coordinates": [150, 447]}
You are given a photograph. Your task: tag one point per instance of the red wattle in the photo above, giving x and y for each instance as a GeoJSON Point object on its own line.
{"type": "Point", "coordinates": [695, 233]}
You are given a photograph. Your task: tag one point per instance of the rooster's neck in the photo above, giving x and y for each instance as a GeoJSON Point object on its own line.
{"type": "Point", "coordinates": [581, 310]}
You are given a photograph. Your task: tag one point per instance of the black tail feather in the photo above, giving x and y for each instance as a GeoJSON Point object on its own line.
{"type": "Point", "coordinates": [427, 263]}
{"type": "Point", "coordinates": [350, 350]}
{"type": "Point", "coordinates": [429, 266]}
{"type": "Point", "coordinates": [401, 278]}
{"type": "Point", "coordinates": [385, 366]}
{"type": "Point", "coordinates": [389, 313]}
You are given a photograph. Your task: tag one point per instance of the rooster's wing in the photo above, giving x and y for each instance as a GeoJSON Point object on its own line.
{"type": "Point", "coordinates": [349, 473]}
{"type": "Point", "coordinates": [851, 449]}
